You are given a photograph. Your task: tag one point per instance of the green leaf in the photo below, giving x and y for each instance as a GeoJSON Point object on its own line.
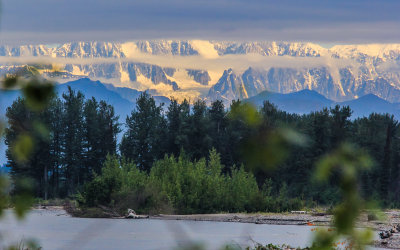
{"type": "Point", "coordinates": [246, 112]}
{"type": "Point", "coordinates": [10, 82]}
{"type": "Point", "coordinates": [41, 130]}
{"type": "Point", "coordinates": [4, 193]}
{"type": "Point", "coordinates": [23, 196]}
{"type": "Point", "coordinates": [22, 148]}
{"type": "Point", "coordinates": [38, 94]}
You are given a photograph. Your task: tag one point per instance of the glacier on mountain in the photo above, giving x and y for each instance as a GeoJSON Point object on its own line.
{"type": "Point", "coordinates": [222, 70]}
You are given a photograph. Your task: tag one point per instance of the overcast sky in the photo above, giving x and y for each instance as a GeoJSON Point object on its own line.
{"type": "Point", "coordinates": [321, 21]}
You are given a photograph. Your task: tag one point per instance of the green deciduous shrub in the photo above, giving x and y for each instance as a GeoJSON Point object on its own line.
{"type": "Point", "coordinates": [182, 186]}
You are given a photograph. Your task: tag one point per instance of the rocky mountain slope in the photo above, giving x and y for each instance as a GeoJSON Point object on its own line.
{"type": "Point", "coordinates": [222, 70]}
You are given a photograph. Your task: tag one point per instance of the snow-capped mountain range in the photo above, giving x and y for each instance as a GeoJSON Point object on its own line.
{"type": "Point", "coordinates": [220, 70]}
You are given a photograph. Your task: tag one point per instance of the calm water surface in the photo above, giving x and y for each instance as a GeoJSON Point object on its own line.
{"type": "Point", "coordinates": [55, 230]}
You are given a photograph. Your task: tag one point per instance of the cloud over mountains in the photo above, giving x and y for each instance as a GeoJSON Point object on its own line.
{"type": "Point", "coordinates": [341, 21]}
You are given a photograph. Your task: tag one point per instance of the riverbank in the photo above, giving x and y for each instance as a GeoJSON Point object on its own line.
{"type": "Point", "coordinates": [53, 229]}
{"type": "Point", "coordinates": [294, 218]}
{"type": "Point", "coordinates": [389, 218]}
{"type": "Point", "coordinates": [261, 218]}
{"type": "Point", "coordinates": [256, 218]}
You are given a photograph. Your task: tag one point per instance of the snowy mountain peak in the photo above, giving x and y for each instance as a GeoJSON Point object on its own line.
{"type": "Point", "coordinates": [225, 69]}
{"type": "Point", "coordinates": [391, 51]}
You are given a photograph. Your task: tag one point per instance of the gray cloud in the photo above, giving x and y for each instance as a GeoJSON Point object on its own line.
{"type": "Point", "coordinates": [237, 62]}
{"type": "Point", "coordinates": [340, 21]}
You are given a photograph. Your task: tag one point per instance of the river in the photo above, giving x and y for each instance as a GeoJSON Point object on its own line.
{"type": "Point", "coordinates": [56, 230]}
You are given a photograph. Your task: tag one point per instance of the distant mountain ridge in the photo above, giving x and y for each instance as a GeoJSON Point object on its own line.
{"type": "Point", "coordinates": [306, 101]}
{"type": "Point", "coordinates": [341, 73]}
{"type": "Point", "coordinates": [302, 102]}
{"type": "Point", "coordinates": [123, 99]}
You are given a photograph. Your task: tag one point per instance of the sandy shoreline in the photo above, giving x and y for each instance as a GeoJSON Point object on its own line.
{"type": "Point", "coordinates": [274, 219]}
{"type": "Point", "coordinates": [392, 218]}
{"type": "Point", "coordinates": [256, 218]}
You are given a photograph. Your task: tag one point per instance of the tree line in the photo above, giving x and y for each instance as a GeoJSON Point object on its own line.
{"type": "Point", "coordinates": [72, 138]}
{"type": "Point", "coordinates": [78, 135]}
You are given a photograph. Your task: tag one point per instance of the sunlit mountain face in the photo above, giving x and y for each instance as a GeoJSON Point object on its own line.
{"type": "Point", "coordinates": [214, 70]}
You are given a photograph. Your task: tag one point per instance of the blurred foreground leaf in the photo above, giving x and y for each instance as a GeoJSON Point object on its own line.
{"type": "Point", "coordinates": [346, 162]}
{"type": "Point", "coordinates": [245, 112]}
{"type": "Point", "coordinates": [267, 146]}
{"type": "Point", "coordinates": [266, 150]}
{"type": "Point", "coordinates": [30, 244]}
{"type": "Point", "coordinates": [4, 193]}
{"type": "Point", "coordinates": [41, 130]}
{"type": "Point", "coordinates": [22, 196]}
{"type": "Point", "coordinates": [22, 148]}
{"type": "Point", "coordinates": [10, 82]}
{"type": "Point", "coordinates": [348, 159]}
{"type": "Point", "coordinates": [38, 94]}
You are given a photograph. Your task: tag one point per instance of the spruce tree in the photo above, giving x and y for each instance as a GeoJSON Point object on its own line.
{"type": "Point", "coordinates": [340, 125]}
{"type": "Point", "coordinates": [92, 140]}
{"type": "Point", "coordinates": [56, 129]}
{"type": "Point", "coordinates": [73, 141]}
{"type": "Point", "coordinates": [218, 128]}
{"type": "Point", "coordinates": [185, 128]}
{"type": "Point", "coordinates": [200, 140]}
{"type": "Point", "coordinates": [173, 126]}
{"type": "Point", "coordinates": [26, 129]}
{"type": "Point", "coordinates": [139, 142]}
{"type": "Point", "coordinates": [109, 128]}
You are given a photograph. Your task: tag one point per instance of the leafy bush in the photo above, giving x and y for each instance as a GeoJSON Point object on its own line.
{"type": "Point", "coordinates": [182, 186]}
{"type": "Point", "coordinates": [100, 189]}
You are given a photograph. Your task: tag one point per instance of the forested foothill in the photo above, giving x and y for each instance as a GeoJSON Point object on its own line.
{"type": "Point", "coordinates": [194, 158]}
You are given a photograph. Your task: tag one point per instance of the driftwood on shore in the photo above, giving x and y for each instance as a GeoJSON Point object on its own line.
{"type": "Point", "coordinates": [298, 212]}
{"type": "Point", "coordinates": [131, 214]}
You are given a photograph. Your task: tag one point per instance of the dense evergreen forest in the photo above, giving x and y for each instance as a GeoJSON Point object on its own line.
{"type": "Point", "coordinates": [195, 158]}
